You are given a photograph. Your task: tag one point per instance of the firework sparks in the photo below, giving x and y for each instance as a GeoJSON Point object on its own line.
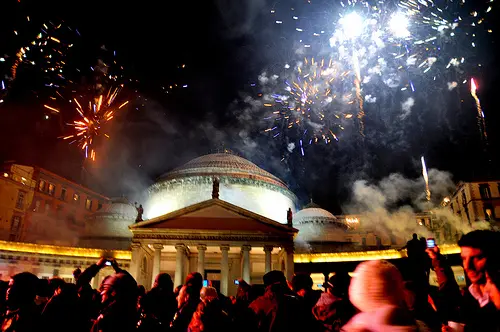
{"type": "Point", "coordinates": [89, 127]}
{"type": "Point", "coordinates": [378, 49]}
{"type": "Point", "coordinates": [426, 179]}
{"type": "Point", "coordinates": [480, 115]}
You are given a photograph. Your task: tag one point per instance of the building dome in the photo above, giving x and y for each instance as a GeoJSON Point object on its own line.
{"type": "Point", "coordinates": [107, 228]}
{"type": "Point", "coordinates": [318, 225]}
{"type": "Point", "coordinates": [242, 183]}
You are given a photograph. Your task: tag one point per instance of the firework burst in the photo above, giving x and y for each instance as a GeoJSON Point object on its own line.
{"type": "Point", "coordinates": [378, 48]}
{"type": "Point", "coordinates": [90, 127]}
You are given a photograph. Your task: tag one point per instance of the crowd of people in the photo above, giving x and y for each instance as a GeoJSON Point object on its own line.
{"type": "Point", "coordinates": [377, 298]}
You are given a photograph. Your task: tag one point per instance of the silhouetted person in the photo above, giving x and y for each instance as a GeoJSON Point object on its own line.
{"type": "Point", "coordinates": [187, 303]}
{"type": "Point", "coordinates": [159, 305]}
{"type": "Point", "coordinates": [21, 314]}
{"type": "Point", "coordinates": [119, 304]}
{"type": "Point", "coordinates": [62, 312]}
{"type": "Point", "coordinates": [279, 309]}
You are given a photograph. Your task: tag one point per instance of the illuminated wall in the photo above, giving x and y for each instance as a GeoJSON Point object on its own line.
{"type": "Point", "coordinates": [259, 197]}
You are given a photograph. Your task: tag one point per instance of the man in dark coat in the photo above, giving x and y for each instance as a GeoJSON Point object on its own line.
{"type": "Point", "coordinates": [159, 305]}
{"type": "Point", "coordinates": [473, 306]}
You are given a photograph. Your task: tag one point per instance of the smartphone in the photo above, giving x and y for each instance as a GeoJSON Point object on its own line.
{"type": "Point", "coordinates": [205, 283]}
{"type": "Point", "coordinates": [431, 243]}
{"type": "Point", "coordinates": [108, 263]}
{"type": "Point", "coordinates": [236, 282]}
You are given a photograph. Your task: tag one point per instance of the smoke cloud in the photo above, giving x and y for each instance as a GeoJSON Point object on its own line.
{"type": "Point", "coordinates": [406, 107]}
{"type": "Point", "coordinates": [389, 205]}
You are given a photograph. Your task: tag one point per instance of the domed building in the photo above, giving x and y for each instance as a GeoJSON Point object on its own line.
{"type": "Point", "coordinates": [241, 182]}
{"type": "Point", "coordinates": [108, 228]}
{"type": "Point", "coordinates": [318, 227]}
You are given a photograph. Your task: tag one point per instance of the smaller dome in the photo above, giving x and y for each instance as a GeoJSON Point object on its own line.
{"type": "Point", "coordinates": [313, 215]}
{"type": "Point", "coordinates": [119, 208]}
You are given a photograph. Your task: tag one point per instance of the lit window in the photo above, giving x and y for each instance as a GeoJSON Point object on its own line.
{"type": "Point", "coordinates": [63, 194]}
{"type": "Point", "coordinates": [52, 189]}
{"type": "Point", "coordinates": [88, 204]}
{"type": "Point", "coordinates": [20, 200]}
{"type": "Point", "coordinates": [41, 185]}
{"type": "Point", "coordinates": [76, 197]}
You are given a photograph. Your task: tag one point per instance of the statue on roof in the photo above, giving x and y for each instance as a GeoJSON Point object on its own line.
{"type": "Point", "coordinates": [215, 188]}
{"type": "Point", "coordinates": [289, 217]}
{"type": "Point", "coordinates": [140, 212]}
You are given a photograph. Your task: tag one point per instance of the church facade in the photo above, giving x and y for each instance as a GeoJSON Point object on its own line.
{"type": "Point", "coordinates": [220, 215]}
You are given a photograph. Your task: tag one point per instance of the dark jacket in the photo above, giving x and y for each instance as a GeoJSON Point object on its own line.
{"type": "Point", "coordinates": [279, 309]}
{"type": "Point", "coordinates": [116, 317]}
{"type": "Point", "coordinates": [460, 307]}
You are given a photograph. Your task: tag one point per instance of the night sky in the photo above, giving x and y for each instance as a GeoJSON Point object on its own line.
{"type": "Point", "coordinates": [224, 46]}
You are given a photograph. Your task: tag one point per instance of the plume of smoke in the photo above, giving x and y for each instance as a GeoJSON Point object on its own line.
{"type": "Point", "coordinates": [389, 205]}
{"type": "Point", "coordinates": [406, 107]}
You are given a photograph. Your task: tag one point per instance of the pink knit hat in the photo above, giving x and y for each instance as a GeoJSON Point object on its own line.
{"type": "Point", "coordinates": [376, 284]}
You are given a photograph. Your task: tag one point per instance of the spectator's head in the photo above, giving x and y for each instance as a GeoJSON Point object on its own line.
{"type": "Point", "coordinates": [22, 290]}
{"type": "Point", "coordinates": [476, 248]}
{"type": "Point", "coordinates": [243, 289]}
{"type": "Point", "coordinates": [43, 288]}
{"type": "Point", "coordinates": [55, 285]}
{"type": "Point", "coordinates": [208, 294]}
{"type": "Point", "coordinates": [76, 273]}
{"type": "Point", "coordinates": [274, 277]}
{"type": "Point", "coordinates": [194, 279]}
{"type": "Point", "coordinates": [376, 284]}
{"type": "Point", "coordinates": [164, 281]}
{"type": "Point", "coordinates": [187, 293]}
{"type": "Point", "coordinates": [120, 287]}
{"type": "Point", "coordinates": [302, 282]}
{"type": "Point", "coordinates": [415, 236]}
{"type": "Point", "coordinates": [141, 290]}
{"type": "Point", "coordinates": [338, 284]}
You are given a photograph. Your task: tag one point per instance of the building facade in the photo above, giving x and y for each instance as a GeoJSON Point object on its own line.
{"type": "Point", "coordinates": [43, 207]}
{"type": "Point", "coordinates": [476, 201]}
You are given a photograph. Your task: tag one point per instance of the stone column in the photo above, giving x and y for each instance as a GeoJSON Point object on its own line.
{"type": "Point", "coordinates": [268, 265]}
{"type": "Point", "coordinates": [245, 263]}
{"type": "Point", "coordinates": [201, 259]}
{"type": "Point", "coordinates": [179, 264]}
{"type": "Point", "coordinates": [156, 261]}
{"type": "Point", "coordinates": [224, 268]}
{"type": "Point", "coordinates": [289, 262]}
{"type": "Point", "coordinates": [135, 263]}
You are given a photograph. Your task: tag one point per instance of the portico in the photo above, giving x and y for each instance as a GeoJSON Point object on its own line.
{"type": "Point", "coordinates": [220, 240]}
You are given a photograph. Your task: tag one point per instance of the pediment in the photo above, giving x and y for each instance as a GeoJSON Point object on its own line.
{"type": "Point", "coordinates": [214, 215]}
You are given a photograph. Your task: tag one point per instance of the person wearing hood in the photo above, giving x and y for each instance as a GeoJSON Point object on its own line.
{"type": "Point", "coordinates": [377, 291]}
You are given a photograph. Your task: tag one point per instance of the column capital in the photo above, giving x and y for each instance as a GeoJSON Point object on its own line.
{"type": "Point", "coordinates": [157, 246]}
{"type": "Point", "coordinates": [135, 245]}
{"type": "Point", "coordinates": [224, 247]}
{"type": "Point", "coordinates": [180, 246]}
{"type": "Point", "coordinates": [201, 247]}
{"type": "Point", "coordinates": [289, 248]}
{"type": "Point", "coordinates": [246, 247]}
{"type": "Point", "coordinates": [268, 248]}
